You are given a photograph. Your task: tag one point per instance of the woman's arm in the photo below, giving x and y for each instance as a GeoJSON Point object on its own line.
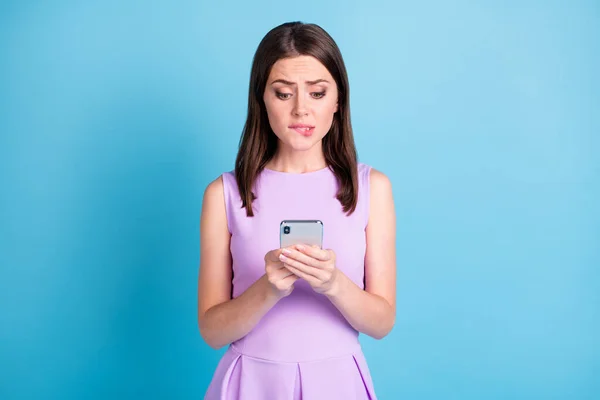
{"type": "Point", "coordinates": [223, 320]}
{"type": "Point", "coordinates": [373, 310]}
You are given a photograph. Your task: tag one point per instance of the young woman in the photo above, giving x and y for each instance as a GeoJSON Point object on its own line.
{"type": "Point", "coordinates": [291, 317]}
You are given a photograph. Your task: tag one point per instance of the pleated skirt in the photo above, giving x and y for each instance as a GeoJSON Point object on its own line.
{"type": "Point", "coordinates": [242, 377]}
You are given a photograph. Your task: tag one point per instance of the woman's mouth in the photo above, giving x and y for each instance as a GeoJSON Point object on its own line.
{"type": "Point", "coordinates": [305, 131]}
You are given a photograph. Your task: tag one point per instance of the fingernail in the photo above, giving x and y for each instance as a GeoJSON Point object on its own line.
{"type": "Point", "coordinates": [286, 251]}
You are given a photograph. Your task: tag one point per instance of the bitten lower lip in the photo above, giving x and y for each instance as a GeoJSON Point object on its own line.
{"type": "Point", "coordinates": [304, 131]}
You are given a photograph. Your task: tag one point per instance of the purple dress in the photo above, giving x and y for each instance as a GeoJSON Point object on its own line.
{"type": "Point", "coordinates": [303, 348]}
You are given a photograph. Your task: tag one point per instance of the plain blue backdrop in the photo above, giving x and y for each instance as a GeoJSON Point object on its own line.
{"type": "Point", "coordinates": [115, 115]}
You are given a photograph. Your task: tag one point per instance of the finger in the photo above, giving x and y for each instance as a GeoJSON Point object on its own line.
{"type": "Point", "coordinates": [307, 269]}
{"type": "Point", "coordinates": [274, 254]}
{"type": "Point", "coordinates": [315, 252]}
{"type": "Point", "coordinates": [278, 266]}
{"type": "Point", "coordinates": [301, 257]}
{"type": "Point", "coordinates": [307, 277]}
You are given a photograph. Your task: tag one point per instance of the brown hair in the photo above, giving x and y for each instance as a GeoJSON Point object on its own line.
{"type": "Point", "coordinates": [258, 142]}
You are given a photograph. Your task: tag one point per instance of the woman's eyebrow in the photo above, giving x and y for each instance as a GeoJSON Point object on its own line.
{"type": "Point", "coordinates": [293, 83]}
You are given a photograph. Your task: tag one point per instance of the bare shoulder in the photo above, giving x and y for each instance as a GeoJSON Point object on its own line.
{"type": "Point", "coordinates": [381, 196]}
{"type": "Point", "coordinates": [214, 213]}
{"type": "Point", "coordinates": [214, 189]}
{"type": "Point", "coordinates": [379, 182]}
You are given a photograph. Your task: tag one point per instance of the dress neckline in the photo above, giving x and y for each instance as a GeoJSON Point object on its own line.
{"type": "Point", "coordinates": [289, 174]}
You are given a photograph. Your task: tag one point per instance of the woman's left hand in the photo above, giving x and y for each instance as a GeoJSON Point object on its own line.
{"type": "Point", "coordinates": [314, 265]}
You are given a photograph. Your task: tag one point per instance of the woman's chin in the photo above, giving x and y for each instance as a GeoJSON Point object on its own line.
{"type": "Point", "coordinates": [301, 146]}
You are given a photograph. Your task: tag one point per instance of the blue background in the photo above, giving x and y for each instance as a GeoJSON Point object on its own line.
{"type": "Point", "coordinates": [115, 115]}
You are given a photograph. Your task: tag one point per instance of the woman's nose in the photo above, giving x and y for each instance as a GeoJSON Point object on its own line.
{"type": "Point", "coordinates": [300, 105]}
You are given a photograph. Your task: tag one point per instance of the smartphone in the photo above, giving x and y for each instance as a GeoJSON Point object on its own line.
{"type": "Point", "coordinates": [300, 231]}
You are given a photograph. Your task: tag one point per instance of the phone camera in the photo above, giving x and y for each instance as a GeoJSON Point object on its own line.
{"type": "Point", "coordinates": [286, 229]}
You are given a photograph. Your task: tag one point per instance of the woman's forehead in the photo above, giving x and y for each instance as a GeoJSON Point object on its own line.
{"type": "Point", "coordinates": [305, 67]}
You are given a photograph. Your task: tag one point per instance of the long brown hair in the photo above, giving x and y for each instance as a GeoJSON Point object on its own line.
{"type": "Point", "coordinates": [258, 142]}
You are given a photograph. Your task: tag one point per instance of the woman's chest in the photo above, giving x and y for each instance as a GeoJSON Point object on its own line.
{"type": "Point", "coordinates": [253, 237]}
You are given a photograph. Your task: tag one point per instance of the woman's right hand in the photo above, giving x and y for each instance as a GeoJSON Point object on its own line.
{"type": "Point", "coordinates": [281, 280]}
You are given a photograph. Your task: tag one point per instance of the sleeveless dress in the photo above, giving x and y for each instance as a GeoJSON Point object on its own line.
{"type": "Point", "coordinates": [303, 348]}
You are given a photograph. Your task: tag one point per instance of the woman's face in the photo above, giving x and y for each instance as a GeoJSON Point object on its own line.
{"type": "Point", "coordinates": [300, 90]}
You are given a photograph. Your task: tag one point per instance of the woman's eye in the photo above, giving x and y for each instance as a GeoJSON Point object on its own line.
{"type": "Point", "coordinates": [283, 96]}
{"type": "Point", "coordinates": [278, 94]}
